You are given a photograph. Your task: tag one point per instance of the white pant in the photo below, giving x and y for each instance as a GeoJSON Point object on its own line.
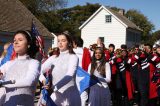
{"type": "Point", "coordinates": [2, 95]}
{"type": "Point", "coordinates": [84, 97]}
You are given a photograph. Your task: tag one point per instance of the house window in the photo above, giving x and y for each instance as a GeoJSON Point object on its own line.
{"type": "Point", "coordinates": [108, 18]}
{"type": "Point", "coordinates": [102, 39]}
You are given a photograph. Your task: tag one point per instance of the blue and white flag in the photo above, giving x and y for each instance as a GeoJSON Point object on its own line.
{"type": "Point", "coordinates": [83, 80]}
{"type": "Point", "coordinates": [9, 56]}
{"type": "Point", "coordinates": [46, 99]}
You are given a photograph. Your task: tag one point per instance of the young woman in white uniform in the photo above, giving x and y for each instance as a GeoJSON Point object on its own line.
{"type": "Point", "coordinates": [64, 65]}
{"type": "Point", "coordinates": [99, 69]}
{"type": "Point", "coordinates": [24, 70]}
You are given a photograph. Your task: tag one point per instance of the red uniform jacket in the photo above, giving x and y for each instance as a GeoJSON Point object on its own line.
{"type": "Point", "coordinates": [153, 88]}
{"type": "Point", "coordinates": [107, 54]}
{"type": "Point", "coordinates": [112, 63]}
{"type": "Point", "coordinates": [86, 59]}
{"type": "Point", "coordinates": [128, 79]}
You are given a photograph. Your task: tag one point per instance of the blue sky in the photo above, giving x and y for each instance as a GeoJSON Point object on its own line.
{"type": "Point", "coordinates": [149, 8]}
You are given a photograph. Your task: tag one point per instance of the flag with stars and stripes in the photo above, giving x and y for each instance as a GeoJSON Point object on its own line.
{"type": "Point", "coordinates": [39, 39]}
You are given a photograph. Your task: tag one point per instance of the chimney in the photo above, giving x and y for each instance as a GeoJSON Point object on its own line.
{"type": "Point", "coordinates": [121, 11]}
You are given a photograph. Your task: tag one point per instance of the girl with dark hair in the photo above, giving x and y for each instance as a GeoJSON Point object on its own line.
{"type": "Point", "coordinates": [63, 66]}
{"type": "Point", "coordinates": [100, 69]}
{"type": "Point", "coordinates": [23, 71]}
{"type": "Point", "coordinates": [32, 48]}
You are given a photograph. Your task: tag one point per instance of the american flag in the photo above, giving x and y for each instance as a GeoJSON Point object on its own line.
{"type": "Point", "coordinates": [39, 39]}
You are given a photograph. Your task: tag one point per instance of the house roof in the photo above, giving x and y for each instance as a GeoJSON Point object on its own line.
{"type": "Point", "coordinates": [122, 19]}
{"type": "Point", "coordinates": [15, 16]}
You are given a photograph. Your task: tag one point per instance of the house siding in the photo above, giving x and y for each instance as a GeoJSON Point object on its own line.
{"type": "Point", "coordinates": [133, 37]}
{"type": "Point", "coordinates": [113, 32]}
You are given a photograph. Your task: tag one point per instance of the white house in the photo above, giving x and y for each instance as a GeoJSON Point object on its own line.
{"type": "Point", "coordinates": [112, 27]}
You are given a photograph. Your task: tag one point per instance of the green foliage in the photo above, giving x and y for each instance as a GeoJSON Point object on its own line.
{"type": "Point", "coordinates": [45, 11]}
{"type": "Point", "coordinates": [36, 6]}
{"type": "Point", "coordinates": [32, 5]}
{"type": "Point", "coordinates": [72, 18]}
{"type": "Point", "coordinates": [142, 22]}
{"type": "Point", "coordinates": [115, 9]}
{"type": "Point", "coordinates": [156, 36]}
{"type": "Point", "coordinates": [58, 19]}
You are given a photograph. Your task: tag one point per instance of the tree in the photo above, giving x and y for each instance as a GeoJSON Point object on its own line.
{"type": "Point", "coordinates": [58, 19]}
{"type": "Point", "coordinates": [32, 5]}
{"type": "Point", "coordinates": [142, 22]}
{"type": "Point", "coordinates": [72, 18]}
{"type": "Point", "coordinates": [51, 21]}
{"type": "Point", "coordinates": [156, 36]}
{"type": "Point", "coordinates": [45, 11]}
{"type": "Point", "coordinates": [115, 9]}
{"type": "Point", "coordinates": [36, 6]}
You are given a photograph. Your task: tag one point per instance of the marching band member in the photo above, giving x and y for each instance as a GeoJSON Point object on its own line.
{"type": "Point", "coordinates": [65, 92]}
{"type": "Point", "coordinates": [100, 69]}
{"type": "Point", "coordinates": [24, 70]}
{"type": "Point", "coordinates": [84, 61]}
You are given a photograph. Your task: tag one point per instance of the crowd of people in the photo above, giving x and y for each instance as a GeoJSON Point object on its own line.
{"type": "Point", "coordinates": [126, 76]}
